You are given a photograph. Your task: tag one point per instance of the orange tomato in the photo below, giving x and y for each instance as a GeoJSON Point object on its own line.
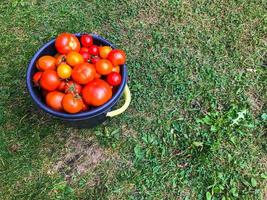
{"type": "Point", "coordinates": [54, 99]}
{"type": "Point", "coordinates": [72, 103]}
{"type": "Point", "coordinates": [104, 67]}
{"type": "Point", "coordinates": [104, 51]}
{"type": "Point", "coordinates": [60, 59]}
{"type": "Point", "coordinates": [74, 58]}
{"type": "Point", "coordinates": [83, 73]}
{"type": "Point", "coordinates": [64, 71]}
{"type": "Point", "coordinates": [46, 62]}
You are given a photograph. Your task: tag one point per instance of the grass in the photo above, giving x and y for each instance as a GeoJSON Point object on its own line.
{"type": "Point", "coordinates": [196, 125]}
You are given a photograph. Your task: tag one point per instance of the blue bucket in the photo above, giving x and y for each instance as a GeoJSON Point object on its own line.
{"type": "Point", "coordinates": [87, 119]}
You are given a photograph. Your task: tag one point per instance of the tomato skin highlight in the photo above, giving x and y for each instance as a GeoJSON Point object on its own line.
{"type": "Point", "coordinates": [114, 79]}
{"type": "Point", "coordinates": [54, 100]}
{"type": "Point", "coordinates": [66, 42]}
{"type": "Point", "coordinates": [83, 73]}
{"type": "Point", "coordinates": [116, 69]}
{"type": "Point", "coordinates": [72, 104]}
{"type": "Point", "coordinates": [46, 62]}
{"type": "Point", "coordinates": [104, 67]}
{"type": "Point", "coordinates": [97, 92]}
{"type": "Point", "coordinates": [117, 57]}
{"type": "Point", "coordinates": [87, 40]}
{"type": "Point", "coordinates": [36, 78]}
{"type": "Point", "coordinates": [49, 80]}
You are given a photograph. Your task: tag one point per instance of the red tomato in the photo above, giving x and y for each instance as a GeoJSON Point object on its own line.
{"type": "Point", "coordinates": [54, 99]}
{"type": "Point", "coordinates": [83, 73]}
{"type": "Point", "coordinates": [103, 67]}
{"type": "Point", "coordinates": [94, 59]}
{"type": "Point", "coordinates": [114, 79]}
{"type": "Point", "coordinates": [104, 51]}
{"type": "Point", "coordinates": [66, 42]}
{"type": "Point", "coordinates": [46, 62]}
{"type": "Point", "coordinates": [61, 86]}
{"type": "Point", "coordinates": [74, 58]}
{"type": "Point", "coordinates": [72, 87]}
{"type": "Point", "coordinates": [117, 57]}
{"type": "Point", "coordinates": [85, 107]}
{"type": "Point", "coordinates": [60, 59]}
{"type": "Point", "coordinates": [93, 50]}
{"type": "Point", "coordinates": [49, 80]}
{"type": "Point", "coordinates": [72, 103]}
{"type": "Point", "coordinates": [97, 92]}
{"type": "Point", "coordinates": [86, 56]}
{"type": "Point", "coordinates": [36, 78]}
{"type": "Point", "coordinates": [84, 49]}
{"type": "Point", "coordinates": [87, 40]}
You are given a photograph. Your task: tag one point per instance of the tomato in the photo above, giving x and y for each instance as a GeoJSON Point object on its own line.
{"type": "Point", "coordinates": [61, 86]}
{"type": "Point", "coordinates": [94, 59]}
{"type": "Point", "coordinates": [114, 79]}
{"type": "Point", "coordinates": [64, 71]}
{"type": "Point", "coordinates": [85, 55]}
{"type": "Point", "coordinates": [46, 62]}
{"type": "Point", "coordinates": [57, 55]}
{"type": "Point", "coordinates": [97, 92]}
{"type": "Point", "coordinates": [49, 80]}
{"type": "Point", "coordinates": [60, 59]}
{"type": "Point", "coordinates": [54, 100]}
{"type": "Point", "coordinates": [36, 78]}
{"type": "Point", "coordinates": [104, 67]}
{"type": "Point", "coordinates": [83, 73]}
{"type": "Point", "coordinates": [85, 107]}
{"type": "Point", "coordinates": [93, 50]}
{"type": "Point", "coordinates": [72, 87]}
{"type": "Point", "coordinates": [97, 75]}
{"type": "Point", "coordinates": [72, 103]}
{"type": "Point", "coordinates": [104, 51]}
{"type": "Point", "coordinates": [74, 58]}
{"type": "Point", "coordinates": [117, 57]}
{"type": "Point", "coordinates": [116, 69]}
{"type": "Point", "coordinates": [87, 40]}
{"type": "Point", "coordinates": [66, 42]}
{"type": "Point", "coordinates": [84, 49]}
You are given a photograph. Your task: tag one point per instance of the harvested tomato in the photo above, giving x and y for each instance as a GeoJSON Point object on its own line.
{"type": "Point", "coordinates": [85, 107]}
{"type": "Point", "coordinates": [36, 78]}
{"type": "Point", "coordinates": [97, 92]}
{"type": "Point", "coordinates": [87, 40]}
{"type": "Point", "coordinates": [74, 58]}
{"type": "Point", "coordinates": [72, 103]}
{"type": "Point", "coordinates": [60, 59]}
{"type": "Point", "coordinates": [83, 73]}
{"type": "Point", "coordinates": [117, 57]}
{"type": "Point", "coordinates": [46, 62]}
{"type": "Point", "coordinates": [66, 42]}
{"type": "Point", "coordinates": [93, 50]}
{"type": "Point", "coordinates": [86, 56]}
{"type": "Point", "coordinates": [54, 100]}
{"type": "Point", "coordinates": [72, 87]}
{"type": "Point", "coordinates": [97, 75]}
{"type": "Point", "coordinates": [104, 51]}
{"type": "Point", "coordinates": [64, 71]}
{"type": "Point", "coordinates": [114, 79]}
{"type": "Point", "coordinates": [49, 80]}
{"type": "Point", "coordinates": [95, 59]}
{"type": "Point", "coordinates": [104, 67]}
{"type": "Point", "coordinates": [61, 86]}
{"type": "Point", "coordinates": [84, 49]}
{"type": "Point", "coordinates": [116, 69]}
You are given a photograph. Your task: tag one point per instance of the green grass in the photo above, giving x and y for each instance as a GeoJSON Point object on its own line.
{"type": "Point", "coordinates": [196, 125]}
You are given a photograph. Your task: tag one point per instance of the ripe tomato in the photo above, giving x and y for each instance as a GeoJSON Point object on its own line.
{"type": "Point", "coordinates": [54, 100]}
{"type": "Point", "coordinates": [97, 92]}
{"type": "Point", "coordinates": [72, 87]}
{"type": "Point", "coordinates": [84, 49]}
{"type": "Point", "coordinates": [72, 103]}
{"type": "Point", "coordinates": [104, 67]}
{"type": "Point", "coordinates": [61, 86]}
{"type": "Point", "coordinates": [116, 69]}
{"type": "Point", "coordinates": [66, 42]}
{"type": "Point", "coordinates": [36, 78]}
{"type": "Point", "coordinates": [46, 62]}
{"type": "Point", "coordinates": [97, 75]}
{"type": "Point", "coordinates": [49, 80]}
{"type": "Point", "coordinates": [83, 73]}
{"type": "Point", "coordinates": [94, 59]}
{"type": "Point", "coordinates": [93, 50]}
{"type": "Point", "coordinates": [117, 57]}
{"type": "Point", "coordinates": [85, 55]}
{"type": "Point", "coordinates": [60, 59]}
{"type": "Point", "coordinates": [104, 51]}
{"type": "Point", "coordinates": [87, 40]}
{"type": "Point", "coordinates": [64, 71]}
{"type": "Point", "coordinates": [85, 107]}
{"type": "Point", "coordinates": [114, 79]}
{"type": "Point", "coordinates": [74, 58]}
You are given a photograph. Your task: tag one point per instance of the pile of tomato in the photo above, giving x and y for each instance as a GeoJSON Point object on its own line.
{"type": "Point", "coordinates": [81, 75]}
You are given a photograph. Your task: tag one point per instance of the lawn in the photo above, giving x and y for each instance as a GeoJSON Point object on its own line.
{"type": "Point", "coordinates": [195, 128]}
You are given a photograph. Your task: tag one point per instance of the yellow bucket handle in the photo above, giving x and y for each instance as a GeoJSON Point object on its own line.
{"type": "Point", "coordinates": [126, 104]}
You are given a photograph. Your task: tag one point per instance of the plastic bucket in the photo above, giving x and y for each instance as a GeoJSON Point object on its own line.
{"type": "Point", "coordinates": [87, 119]}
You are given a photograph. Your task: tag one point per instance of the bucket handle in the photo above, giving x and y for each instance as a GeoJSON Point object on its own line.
{"type": "Point", "coordinates": [126, 104]}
